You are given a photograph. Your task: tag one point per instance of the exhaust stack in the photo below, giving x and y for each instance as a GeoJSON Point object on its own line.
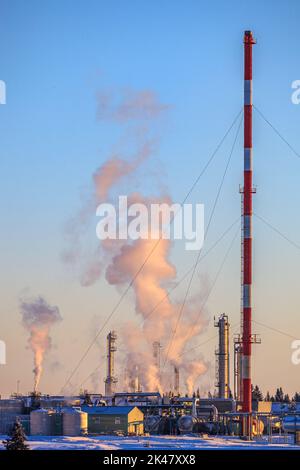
{"type": "Point", "coordinates": [176, 380]}
{"type": "Point", "coordinates": [222, 357]}
{"type": "Point", "coordinates": [247, 338]}
{"type": "Point", "coordinates": [111, 380]}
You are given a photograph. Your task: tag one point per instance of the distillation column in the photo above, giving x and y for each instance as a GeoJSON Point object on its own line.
{"type": "Point", "coordinates": [222, 356]}
{"type": "Point", "coordinates": [176, 381]}
{"type": "Point", "coordinates": [111, 380]}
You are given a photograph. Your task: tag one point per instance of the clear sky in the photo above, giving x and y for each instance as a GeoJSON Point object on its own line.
{"type": "Point", "coordinates": [55, 57]}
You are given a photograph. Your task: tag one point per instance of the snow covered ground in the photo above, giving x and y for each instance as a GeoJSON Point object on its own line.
{"type": "Point", "coordinates": [152, 443]}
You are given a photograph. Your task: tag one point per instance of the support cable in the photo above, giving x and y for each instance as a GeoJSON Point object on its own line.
{"type": "Point", "coordinates": [262, 219]}
{"type": "Point", "coordinates": [199, 253]}
{"type": "Point", "coordinates": [277, 132]}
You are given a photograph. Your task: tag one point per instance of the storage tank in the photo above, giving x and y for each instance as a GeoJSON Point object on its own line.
{"type": "Point", "coordinates": [40, 422]}
{"type": "Point", "coordinates": [75, 422]}
{"type": "Point", "coordinates": [151, 423]}
{"type": "Point", "coordinates": [291, 423]}
{"type": "Point", "coordinates": [186, 423]}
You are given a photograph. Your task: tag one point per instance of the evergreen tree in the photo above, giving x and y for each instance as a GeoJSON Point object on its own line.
{"type": "Point", "coordinates": [296, 397]}
{"type": "Point", "coordinates": [257, 394]}
{"type": "Point", "coordinates": [279, 396]}
{"type": "Point", "coordinates": [286, 398]}
{"type": "Point", "coordinates": [293, 406]}
{"type": "Point", "coordinates": [268, 396]}
{"type": "Point", "coordinates": [17, 439]}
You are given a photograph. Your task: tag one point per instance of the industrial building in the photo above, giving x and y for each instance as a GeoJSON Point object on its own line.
{"type": "Point", "coordinates": [10, 409]}
{"type": "Point", "coordinates": [125, 420]}
{"type": "Point", "coordinates": [149, 413]}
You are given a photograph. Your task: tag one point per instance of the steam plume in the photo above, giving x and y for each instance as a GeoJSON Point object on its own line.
{"type": "Point", "coordinates": [38, 317]}
{"type": "Point", "coordinates": [159, 316]}
{"type": "Point", "coordinates": [120, 260]}
{"type": "Point", "coordinates": [129, 105]}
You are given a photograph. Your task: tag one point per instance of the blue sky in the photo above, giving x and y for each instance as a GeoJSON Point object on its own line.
{"type": "Point", "coordinates": [55, 57]}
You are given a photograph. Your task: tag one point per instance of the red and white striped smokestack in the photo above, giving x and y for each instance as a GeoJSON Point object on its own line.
{"type": "Point", "coordinates": [247, 227]}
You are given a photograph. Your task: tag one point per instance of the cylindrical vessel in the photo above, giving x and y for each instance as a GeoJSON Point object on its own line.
{"type": "Point", "coordinates": [151, 423]}
{"type": "Point", "coordinates": [222, 355]}
{"type": "Point", "coordinates": [186, 423]}
{"type": "Point", "coordinates": [40, 422]}
{"type": "Point", "coordinates": [75, 422]}
{"type": "Point", "coordinates": [291, 424]}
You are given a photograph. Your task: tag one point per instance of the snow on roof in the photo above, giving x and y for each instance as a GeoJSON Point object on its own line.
{"type": "Point", "coordinates": [108, 410]}
{"type": "Point", "coordinates": [40, 410]}
{"type": "Point", "coordinates": [72, 410]}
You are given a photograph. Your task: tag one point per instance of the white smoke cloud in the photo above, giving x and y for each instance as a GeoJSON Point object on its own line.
{"type": "Point", "coordinates": [158, 312]}
{"type": "Point", "coordinates": [120, 260]}
{"type": "Point", "coordinates": [38, 317]}
{"type": "Point", "coordinates": [129, 105]}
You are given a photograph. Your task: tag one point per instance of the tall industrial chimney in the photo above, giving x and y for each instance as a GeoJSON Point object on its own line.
{"type": "Point", "coordinates": [134, 380]}
{"type": "Point", "coordinates": [222, 357]}
{"type": "Point", "coordinates": [156, 354]}
{"type": "Point", "coordinates": [111, 380]}
{"type": "Point", "coordinates": [176, 380]}
{"type": "Point", "coordinates": [246, 328]}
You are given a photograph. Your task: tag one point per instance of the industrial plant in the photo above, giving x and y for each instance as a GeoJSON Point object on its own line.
{"type": "Point", "coordinates": [142, 413]}
{"type": "Point", "coordinates": [156, 410]}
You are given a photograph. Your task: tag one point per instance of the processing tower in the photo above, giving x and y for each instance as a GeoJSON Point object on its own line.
{"type": "Point", "coordinates": [222, 357]}
{"type": "Point", "coordinates": [111, 380]}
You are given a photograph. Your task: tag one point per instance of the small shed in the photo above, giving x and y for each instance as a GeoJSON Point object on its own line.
{"type": "Point", "coordinates": [126, 420]}
{"type": "Point", "coordinates": [262, 406]}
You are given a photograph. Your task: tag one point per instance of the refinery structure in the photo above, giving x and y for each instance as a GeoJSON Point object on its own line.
{"type": "Point", "coordinates": [231, 410]}
{"type": "Point", "coordinates": [136, 412]}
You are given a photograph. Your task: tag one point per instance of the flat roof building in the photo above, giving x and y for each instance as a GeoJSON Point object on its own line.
{"type": "Point", "coordinates": [126, 420]}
